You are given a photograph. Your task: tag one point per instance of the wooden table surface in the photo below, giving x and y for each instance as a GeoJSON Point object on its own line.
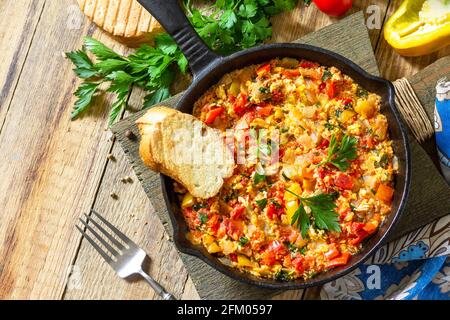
{"type": "Point", "coordinates": [53, 169]}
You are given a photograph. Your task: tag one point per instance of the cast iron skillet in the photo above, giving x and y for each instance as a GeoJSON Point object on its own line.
{"type": "Point", "coordinates": [208, 68]}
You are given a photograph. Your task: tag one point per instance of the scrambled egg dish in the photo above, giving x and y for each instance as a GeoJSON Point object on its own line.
{"type": "Point", "coordinates": [314, 174]}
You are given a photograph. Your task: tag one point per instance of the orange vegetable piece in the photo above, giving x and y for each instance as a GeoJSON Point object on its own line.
{"type": "Point", "coordinates": [385, 193]}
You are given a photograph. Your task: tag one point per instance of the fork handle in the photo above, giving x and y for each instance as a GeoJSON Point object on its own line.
{"type": "Point", "coordinates": [156, 286]}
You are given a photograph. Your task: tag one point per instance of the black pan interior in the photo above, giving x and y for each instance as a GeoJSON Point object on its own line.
{"type": "Point", "coordinates": [212, 74]}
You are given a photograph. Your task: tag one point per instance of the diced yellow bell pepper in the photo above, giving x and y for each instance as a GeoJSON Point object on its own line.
{"type": "Point", "coordinates": [291, 207]}
{"type": "Point", "coordinates": [188, 200]}
{"type": "Point", "coordinates": [365, 108]}
{"type": "Point", "coordinates": [207, 239]}
{"type": "Point", "coordinates": [295, 188]}
{"type": "Point", "coordinates": [419, 27]}
{"type": "Point", "coordinates": [214, 248]}
{"type": "Point", "coordinates": [346, 115]}
{"type": "Point", "coordinates": [243, 261]}
{"type": "Point", "coordinates": [309, 184]}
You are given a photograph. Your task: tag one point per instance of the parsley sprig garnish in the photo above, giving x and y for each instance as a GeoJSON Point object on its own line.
{"type": "Point", "coordinates": [322, 211]}
{"type": "Point", "coordinates": [341, 153]}
{"type": "Point", "coordinates": [226, 26]}
{"type": "Point", "coordinates": [231, 25]}
{"type": "Point", "coordinates": [151, 68]}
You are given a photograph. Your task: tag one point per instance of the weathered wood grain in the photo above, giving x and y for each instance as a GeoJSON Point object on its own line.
{"type": "Point", "coordinates": [211, 284]}
{"type": "Point", "coordinates": [51, 167]}
{"type": "Point", "coordinates": [134, 214]}
{"type": "Point", "coordinates": [17, 27]}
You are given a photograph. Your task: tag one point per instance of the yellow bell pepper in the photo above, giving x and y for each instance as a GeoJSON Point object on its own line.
{"type": "Point", "coordinates": [419, 27]}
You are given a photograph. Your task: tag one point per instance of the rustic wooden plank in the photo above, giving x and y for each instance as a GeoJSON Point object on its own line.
{"type": "Point", "coordinates": [17, 25]}
{"type": "Point", "coordinates": [133, 213]}
{"type": "Point", "coordinates": [395, 66]}
{"type": "Point", "coordinates": [51, 167]}
{"type": "Point", "coordinates": [297, 23]}
{"type": "Point", "coordinates": [209, 283]}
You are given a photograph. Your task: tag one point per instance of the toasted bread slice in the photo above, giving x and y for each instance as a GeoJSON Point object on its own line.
{"type": "Point", "coordinates": [181, 146]}
{"type": "Point", "coordinates": [125, 19]}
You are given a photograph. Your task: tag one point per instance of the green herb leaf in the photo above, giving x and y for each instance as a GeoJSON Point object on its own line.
{"type": "Point", "coordinates": [361, 92]}
{"type": "Point", "coordinates": [203, 218]}
{"type": "Point", "coordinates": [326, 75]}
{"type": "Point", "coordinates": [258, 178]}
{"type": "Point", "coordinates": [322, 208]}
{"type": "Point", "coordinates": [340, 154]}
{"type": "Point", "coordinates": [261, 203]}
{"type": "Point", "coordinates": [84, 68]}
{"type": "Point", "coordinates": [85, 93]}
{"type": "Point", "coordinates": [243, 241]}
{"type": "Point", "coordinates": [100, 51]}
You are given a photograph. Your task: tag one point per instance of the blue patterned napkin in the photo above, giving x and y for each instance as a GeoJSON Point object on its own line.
{"type": "Point", "coordinates": [417, 266]}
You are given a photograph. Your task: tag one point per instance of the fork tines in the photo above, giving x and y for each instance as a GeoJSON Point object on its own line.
{"type": "Point", "coordinates": [109, 240]}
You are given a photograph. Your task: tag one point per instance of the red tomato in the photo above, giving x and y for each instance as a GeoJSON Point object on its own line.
{"type": "Point", "coordinates": [268, 258]}
{"type": "Point", "coordinates": [213, 114]}
{"type": "Point", "coordinates": [308, 64]}
{"type": "Point", "coordinates": [340, 261]}
{"type": "Point", "coordinates": [290, 73]}
{"type": "Point", "coordinates": [237, 211]}
{"type": "Point", "coordinates": [233, 257]}
{"type": "Point", "coordinates": [274, 211]}
{"type": "Point", "coordinates": [277, 97]}
{"type": "Point", "coordinates": [343, 181]}
{"type": "Point", "coordinates": [278, 249]}
{"type": "Point", "coordinates": [331, 90]}
{"type": "Point", "coordinates": [239, 105]}
{"type": "Point", "coordinates": [299, 264]}
{"type": "Point", "coordinates": [263, 69]}
{"type": "Point", "coordinates": [213, 223]}
{"type": "Point", "coordinates": [264, 111]}
{"type": "Point", "coordinates": [333, 252]}
{"type": "Point", "coordinates": [334, 8]}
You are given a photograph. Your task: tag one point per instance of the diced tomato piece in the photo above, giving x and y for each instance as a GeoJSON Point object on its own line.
{"type": "Point", "coordinates": [264, 111]}
{"type": "Point", "coordinates": [237, 211]}
{"type": "Point", "coordinates": [322, 86]}
{"type": "Point", "coordinates": [290, 73]}
{"type": "Point", "coordinates": [274, 211]}
{"type": "Point", "coordinates": [277, 97]}
{"type": "Point", "coordinates": [299, 264]}
{"type": "Point", "coordinates": [263, 69]}
{"type": "Point", "coordinates": [213, 114]}
{"type": "Point", "coordinates": [268, 258]}
{"type": "Point", "coordinates": [333, 252]}
{"type": "Point", "coordinates": [324, 172]}
{"type": "Point", "coordinates": [233, 257]}
{"type": "Point", "coordinates": [278, 249]}
{"type": "Point", "coordinates": [324, 144]}
{"type": "Point", "coordinates": [213, 223]}
{"type": "Point", "coordinates": [356, 226]}
{"type": "Point", "coordinates": [233, 229]}
{"type": "Point", "coordinates": [346, 101]}
{"type": "Point", "coordinates": [308, 64]}
{"type": "Point", "coordinates": [385, 193]}
{"type": "Point", "coordinates": [239, 105]}
{"type": "Point", "coordinates": [287, 260]}
{"type": "Point", "coordinates": [340, 261]}
{"type": "Point", "coordinates": [370, 227]}
{"type": "Point", "coordinates": [331, 90]}
{"type": "Point", "coordinates": [344, 182]}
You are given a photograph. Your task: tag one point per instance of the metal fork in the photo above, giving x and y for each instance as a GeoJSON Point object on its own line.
{"type": "Point", "coordinates": [126, 258]}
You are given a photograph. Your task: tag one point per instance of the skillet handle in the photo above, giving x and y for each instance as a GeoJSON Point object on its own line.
{"type": "Point", "coordinates": [175, 22]}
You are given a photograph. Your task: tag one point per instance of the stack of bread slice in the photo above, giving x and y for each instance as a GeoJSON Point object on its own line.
{"type": "Point", "coordinates": [125, 19]}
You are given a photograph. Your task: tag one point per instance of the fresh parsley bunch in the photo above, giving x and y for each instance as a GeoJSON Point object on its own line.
{"type": "Point", "coordinates": [151, 68]}
{"type": "Point", "coordinates": [231, 25]}
{"type": "Point", "coordinates": [226, 26]}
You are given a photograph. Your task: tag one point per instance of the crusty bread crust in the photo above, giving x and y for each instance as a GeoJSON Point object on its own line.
{"type": "Point", "coordinates": [127, 20]}
{"type": "Point", "coordinates": [184, 148]}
